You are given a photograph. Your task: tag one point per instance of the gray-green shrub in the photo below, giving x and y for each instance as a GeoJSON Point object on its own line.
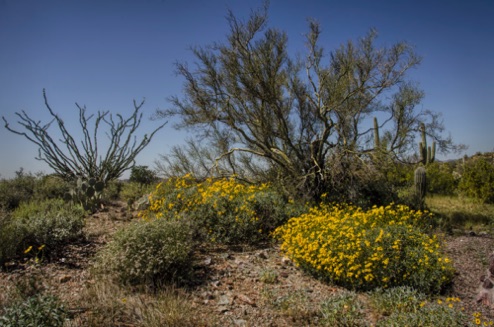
{"type": "Point", "coordinates": [40, 310]}
{"type": "Point", "coordinates": [49, 222]}
{"type": "Point", "coordinates": [149, 252]}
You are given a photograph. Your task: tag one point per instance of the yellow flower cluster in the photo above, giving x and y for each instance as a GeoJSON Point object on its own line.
{"type": "Point", "coordinates": [380, 247]}
{"type": "Point", "coordinates": [225, 205]}
{"type": "Point", "coordinates": [479, 320]}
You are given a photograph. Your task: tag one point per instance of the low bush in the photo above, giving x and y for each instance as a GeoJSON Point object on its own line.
{"type": "Point", "coordinates": [27, 187]}
{"type": "Point", "coordinates": [39, 310]}
{"type": "Point", "coordinates": [477, 180]}
{"type": "Point", "coordinates": [441, 179]}
{"type": "Point", "coordinates": [343, 309]}
{"type": "Point", "coordinates": [363, 250]}
{"type": "Point", "coordinates": [405, 306]}
{"type": "Point", "coordinates": [16, 190]}
{"type": "Point", "coordinates": [39, 224]}
{"type": "Point", "coordinates": [224, 210]}
{"type": "Point", "coordinates": [49, 222]}
{"type": "Point", "coordinates": [152, 252]}
{"type": "Point", "coordinates": [133, 191]}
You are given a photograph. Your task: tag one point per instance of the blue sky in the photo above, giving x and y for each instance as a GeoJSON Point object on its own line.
{"type": "Point", "coordinates": [105, 53]}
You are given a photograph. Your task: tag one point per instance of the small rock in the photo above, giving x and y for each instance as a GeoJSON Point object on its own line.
{"type": "Point", "coordinates": [207, 261]}
{"type": "Point", "coordinates": [224, 300]}
{"type": "Point", "coordinates": [240, 322]}
{"type": "Point", "coordinates": [142, 203]}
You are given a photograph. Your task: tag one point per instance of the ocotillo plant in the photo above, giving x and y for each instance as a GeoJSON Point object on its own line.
{"type": "Point", "coordinates": [427, 154]}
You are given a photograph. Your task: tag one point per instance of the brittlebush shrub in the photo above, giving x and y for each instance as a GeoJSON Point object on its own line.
{"type": "Point", "coordinates": [363, 250]}
{"type": "Point", "coordinates": [149, 252]}
{"type": "Point", "coordinates": [223, 210]}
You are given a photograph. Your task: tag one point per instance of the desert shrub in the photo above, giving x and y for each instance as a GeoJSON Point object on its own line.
{"type": "Point", "coordinates": [16, 190]}
{"type": "Point", "coordinates": [440, 179]}
{"type": "Point", "coordinates": [11, 239]}
{"type": "Point", "coordinates": [112, 190]}
{"type": "Point", "coordinates": [40, 310]}
{"type": "Point", "coordinates": [396, 300]}
{"type": "Point", "coordinates": [149, 252]}
{"type": "Point", "coordinates": [426, 315]}
{"type": "Point", "coordinates": [49, 222]}
{"type": "Point", "coordinates": [477, 180]}
{"type": "Point", "coordinates": [225, 210]}
{"type": "Point", "coordinates": [142, 175]}
{"type": "Point", "coordinates": [41, 225]}
{"type": "Point", "coordinates": [363, 250]}
{"type": "Point", "coordinates": [50, 187]}
{"type": "Point", "coordinates": [405, 306]}
{"type": "Point", "coordinates": [343, 309]}
{"type": "Point", "coordinates": [133, 191]}
{"type": "Point", "coordinates": [26, 187]}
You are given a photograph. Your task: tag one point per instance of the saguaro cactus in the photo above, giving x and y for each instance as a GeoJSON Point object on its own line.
{"type": "Point", "coordinates": [427, 154]}
{"type": "Point", "coordinates": [377, 140]}
{"type": "Point", "coordinates": [420, 185]}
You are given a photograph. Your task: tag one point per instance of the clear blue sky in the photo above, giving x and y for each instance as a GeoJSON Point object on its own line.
{"type": "Point", "coordinates": [105, 53]}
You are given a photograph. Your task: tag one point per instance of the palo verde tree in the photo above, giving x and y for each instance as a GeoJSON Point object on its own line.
{"type": "Point", "coordinates": [306, 123]}
{"type": "Point", "coordinates": [71, 158]}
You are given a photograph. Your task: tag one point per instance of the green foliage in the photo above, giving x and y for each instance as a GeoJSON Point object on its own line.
{"type": "Point", "coordinates": [49, 222]}
{"type": "Point", "coordinates": [299, 121]}
{"type": "Point", "coordinates": [133, 191]}
{"type": "Point", "coordinates": [11, 239]}
{"type": "Point", "coordinates": [42, 224]}
{"type": "Point", "coordinates": [149, 252]}
{"type": "Point", "coordinates": [343, 309]}
{"type": "Point", "coordinates": [405, 306]}
{"type": "Point", "coordinates": [224, 210]}
{"type": "Point", "coordinates": [477, 180]}
{"type": "Point", "coordinates": [397, 299]}
{"type": "Point", "coordinates": [26, 186]}
{"type": "Point", "coordinates": [87, 193]}
{"type": "Point", "coordinates": [39, 310]}
{"type": "Point", "coordinates": [441, 179]}
{"type": "Point", "coordinates": [363, 250]}
{"type": "Point", "coordinates": [112, 191]}
{"type": "Point", "coordinates": [142, 175]}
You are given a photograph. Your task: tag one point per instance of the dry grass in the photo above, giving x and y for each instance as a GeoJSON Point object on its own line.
{"type": "Point", "coordinates": [461, 213]}
{"type": "Point", "coordinates": [107, 304]}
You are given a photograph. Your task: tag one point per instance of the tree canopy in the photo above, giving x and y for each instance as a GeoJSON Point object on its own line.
{"type": "Point", "coordinates": [304, 122]}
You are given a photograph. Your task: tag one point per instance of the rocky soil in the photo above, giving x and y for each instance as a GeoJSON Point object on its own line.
{"type": "Point", "coordinates": [244, 286]}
